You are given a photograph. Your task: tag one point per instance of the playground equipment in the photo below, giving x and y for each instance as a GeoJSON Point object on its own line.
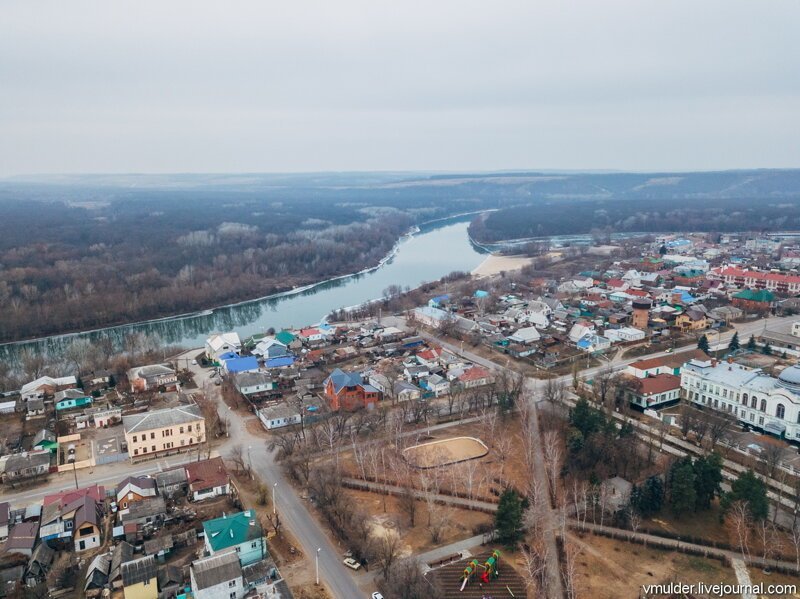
{"type": "Point", "coordinates": [490, 567]}
{"type": "Point", "coordinates": [469, 572]}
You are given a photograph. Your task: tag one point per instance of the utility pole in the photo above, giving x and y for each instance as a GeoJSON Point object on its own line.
{"type": "Point", "coordinates": [75, 472]}
{"type": "Point", "coordinates": [274, 505]}
{"type": "Point", "coordinates": [317, 561]}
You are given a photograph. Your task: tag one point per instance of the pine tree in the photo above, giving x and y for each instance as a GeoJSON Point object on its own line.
{"type": "Point", "coordinates": [707, 479]}
{"type": "Point", "coordinates": [508, 518]}
{"type": "Point", "coordinates": [682, 494]}
{"type": "Point", "coordinates": [750, 489]}
{"type": "Point", "coordinates": [702, 344]}
{"type": "Point", "coordinates": [751, 343]}
{"type": "Point", "coordinates": [734, 342]}
{"type": "Point", "coordinates": [767, 349]}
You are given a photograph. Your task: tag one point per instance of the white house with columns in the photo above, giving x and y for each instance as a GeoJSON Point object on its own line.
{"type": "Point", "coordinates": [748, 394]}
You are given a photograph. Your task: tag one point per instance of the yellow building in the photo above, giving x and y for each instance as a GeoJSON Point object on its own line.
{"type": "Point", "coordinates": [139, 578]}
{"type": "Point", "coordinates": [692, 320]}
{"type": "Point", "coordinates": [163, 432]}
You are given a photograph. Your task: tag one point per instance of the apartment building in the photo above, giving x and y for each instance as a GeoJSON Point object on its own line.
{"type": "Point", "coordinates": [162, 432]}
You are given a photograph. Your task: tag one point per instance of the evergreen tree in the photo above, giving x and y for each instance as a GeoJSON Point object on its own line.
{"type": "Point", "coordinates": [649, 498]}
{"type": "Point", "coordinates": [508, 518]}
{"type": "Point", "coordinates": [750, 489]}
{"type": "Point", "coordinates": [707, 479]}
{"type": "Point", "coordinates": [734, 342]}
{"type": "Point", "coordinates": [751, 343]}
{"type": "Point", "coordinates": [767, 349]}
{"type": "Point", "coordinates": [702, 344]}
{"type": "Point", "coordinates": [682, 494]}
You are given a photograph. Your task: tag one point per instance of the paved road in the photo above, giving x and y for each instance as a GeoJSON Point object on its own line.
{"type": "Point", "coordinates": [292, 509]}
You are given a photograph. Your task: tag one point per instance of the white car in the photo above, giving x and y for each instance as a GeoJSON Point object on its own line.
{"type": "Point", "coordinates": [351, 563]}
{"type": "Point", "coordinates": [377, 595]}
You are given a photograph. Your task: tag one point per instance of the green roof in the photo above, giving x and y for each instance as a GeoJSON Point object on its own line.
{"type": "Point", "coordinates": [232, 530]}
{"type": "Point", "coordinates": [762, 295]}
{"type": "Point", "coordinates": [285, 337]}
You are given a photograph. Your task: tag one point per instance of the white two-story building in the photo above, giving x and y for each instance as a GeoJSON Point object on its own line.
{"type": "Point", "coordinates": [748, 394]}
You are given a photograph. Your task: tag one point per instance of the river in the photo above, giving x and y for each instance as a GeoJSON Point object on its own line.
{"type": "Point", "coordinates": [435, 250]}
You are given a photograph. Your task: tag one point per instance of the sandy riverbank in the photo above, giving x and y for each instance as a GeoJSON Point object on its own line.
{"type": "Point", "coordinates": [495, 264]}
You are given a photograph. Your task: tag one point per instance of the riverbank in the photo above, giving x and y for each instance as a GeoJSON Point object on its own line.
{"type": "Point", "coordinates": [495, 264]}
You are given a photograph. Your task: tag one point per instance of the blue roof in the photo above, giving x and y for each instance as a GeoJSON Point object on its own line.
{"type": "Point", "coordinates": [279, 361]}
{"type": "Point", "coordinates": [342, 379]}
{"type": "Point", "coordinates": [241, 364]}
{"type": "Point", "coordinates": [481, 293]}
{"type": "Point", "coordinates": [228, 356]}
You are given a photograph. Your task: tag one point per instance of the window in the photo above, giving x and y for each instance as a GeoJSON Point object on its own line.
{"type": "Point", "coordinates": [134, 438]}
{"type": "Point", "coordinates": [760, 421]}
{"type": "Point", "coordinates": [744, 399]}
{"type": "Point", "coordinates": [154, 447]}
{"type": "Point", "coordinates": [144, 449]}
{"type": "Point", "coordinates": [231, 583]}
{"type": "Point", "coordinates": [87, 530]}
{"type": "Point", "coordinates": [780, 411]}
{"type": "Point", "coordinates": [135, 452]}
{"type": "Point", "coordinates": [254, 544]}
{"type": "Point", "coordinates": [152, 435]}
{"type": "Point", "coordinates": [233, 595]}
{"type": "Point", "coordinates": [189, 428]}
{"type": "Point", "coordinates": [68, 524]}
{"type": "Point", "coordinates": [763, 407]}
{"type": "Point", "coordinates": [753, 403]}
{"type": "Point", "coordinates": [181, 430]}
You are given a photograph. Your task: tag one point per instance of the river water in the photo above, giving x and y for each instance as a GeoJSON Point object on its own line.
{"type": "Point", "coordinates": [436, 250]}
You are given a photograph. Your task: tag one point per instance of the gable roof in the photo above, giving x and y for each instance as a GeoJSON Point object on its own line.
{"type": "Point", "coordinates": [47, 381]}
{"type": "Point", "coordinates": [140, 482]}
{"type": "Point", "coordinates": [138, 570]}
{"type": "Point", "coordinates": [22, 537]}
{"type": "Point", "coordinates": [228, 531]}
{"type": "Point", "coordinates": [660, 383]}
{"type": "Point", "coordinates": [161, 418]}
{"type": "Point", "coordinates": [761, 296]}
{"type": "Point", "coordinates": [206, 474]}
{"type": "Point", "coordinates": [341, 379]}
{"type": "Point", "coordinates": [214, 570]}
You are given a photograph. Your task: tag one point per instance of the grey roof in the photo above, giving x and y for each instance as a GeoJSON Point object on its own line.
{"type": "Point", "coordinates": [168, 478]}
{"type": "Point", "coordinates": [152, 506]}
{"type": "Point", "coordinates": [152, 370]}
{"type": "Point", "coordinates": [162, 543]}
{"type": "Point", "coordinates": [19, 461]}
{"type": "Point", "coordinates": [216, 569]}
{"type": "Point", "coordinates": [138, 570]}
{"type": "Point", "coordinates": [161, 418]}
{"type": "Point", "coordinates": [43, 435]}
{"type": "Point", "coordinates": [98, 571]}
{"type": "Point", "coordinates": [123, 553]}
{"type": "Point", "coordinates": [250, 379]}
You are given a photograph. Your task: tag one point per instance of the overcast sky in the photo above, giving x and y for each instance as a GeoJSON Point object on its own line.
{"type": "Point", "coordinates": [173, 86]}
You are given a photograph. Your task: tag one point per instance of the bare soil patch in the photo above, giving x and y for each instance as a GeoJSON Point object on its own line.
{"type": "Point", "coordinates": [444, 452]}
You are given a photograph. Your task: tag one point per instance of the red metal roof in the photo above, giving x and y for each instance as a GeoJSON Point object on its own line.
{"type": "Point", "coordinates": [660, 383]}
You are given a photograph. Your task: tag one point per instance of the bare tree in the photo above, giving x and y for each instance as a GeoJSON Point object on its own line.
{"type": "Point", "coordinates": [388, 551]}
{"type": "Point", "coordinates": [237, 457]}
{"type": "Point", "coordinates": [771, 456]}
{"type": "Point", "coordinates": [555, 390]}
{"type": "Point", "coordinates": [569, 569]}
{"type": "Point", "coordinates": [553, 458]}
{"type": "Point", "coordinates": [740, 523]}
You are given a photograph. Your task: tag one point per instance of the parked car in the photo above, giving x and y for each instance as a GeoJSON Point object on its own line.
{"type": "Point", "coordinates": [351, 563]}
{"type": "Point", "coordinates": [377, 595]}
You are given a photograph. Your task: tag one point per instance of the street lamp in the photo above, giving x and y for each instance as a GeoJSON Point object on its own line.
{"type": "Point", "coordinates": [317, 561]}
{"type": "Point", "coordinates": [274, 506]}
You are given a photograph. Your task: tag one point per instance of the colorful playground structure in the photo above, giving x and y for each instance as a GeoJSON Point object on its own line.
{"type": "Point", "coordinates": [489, 570]}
